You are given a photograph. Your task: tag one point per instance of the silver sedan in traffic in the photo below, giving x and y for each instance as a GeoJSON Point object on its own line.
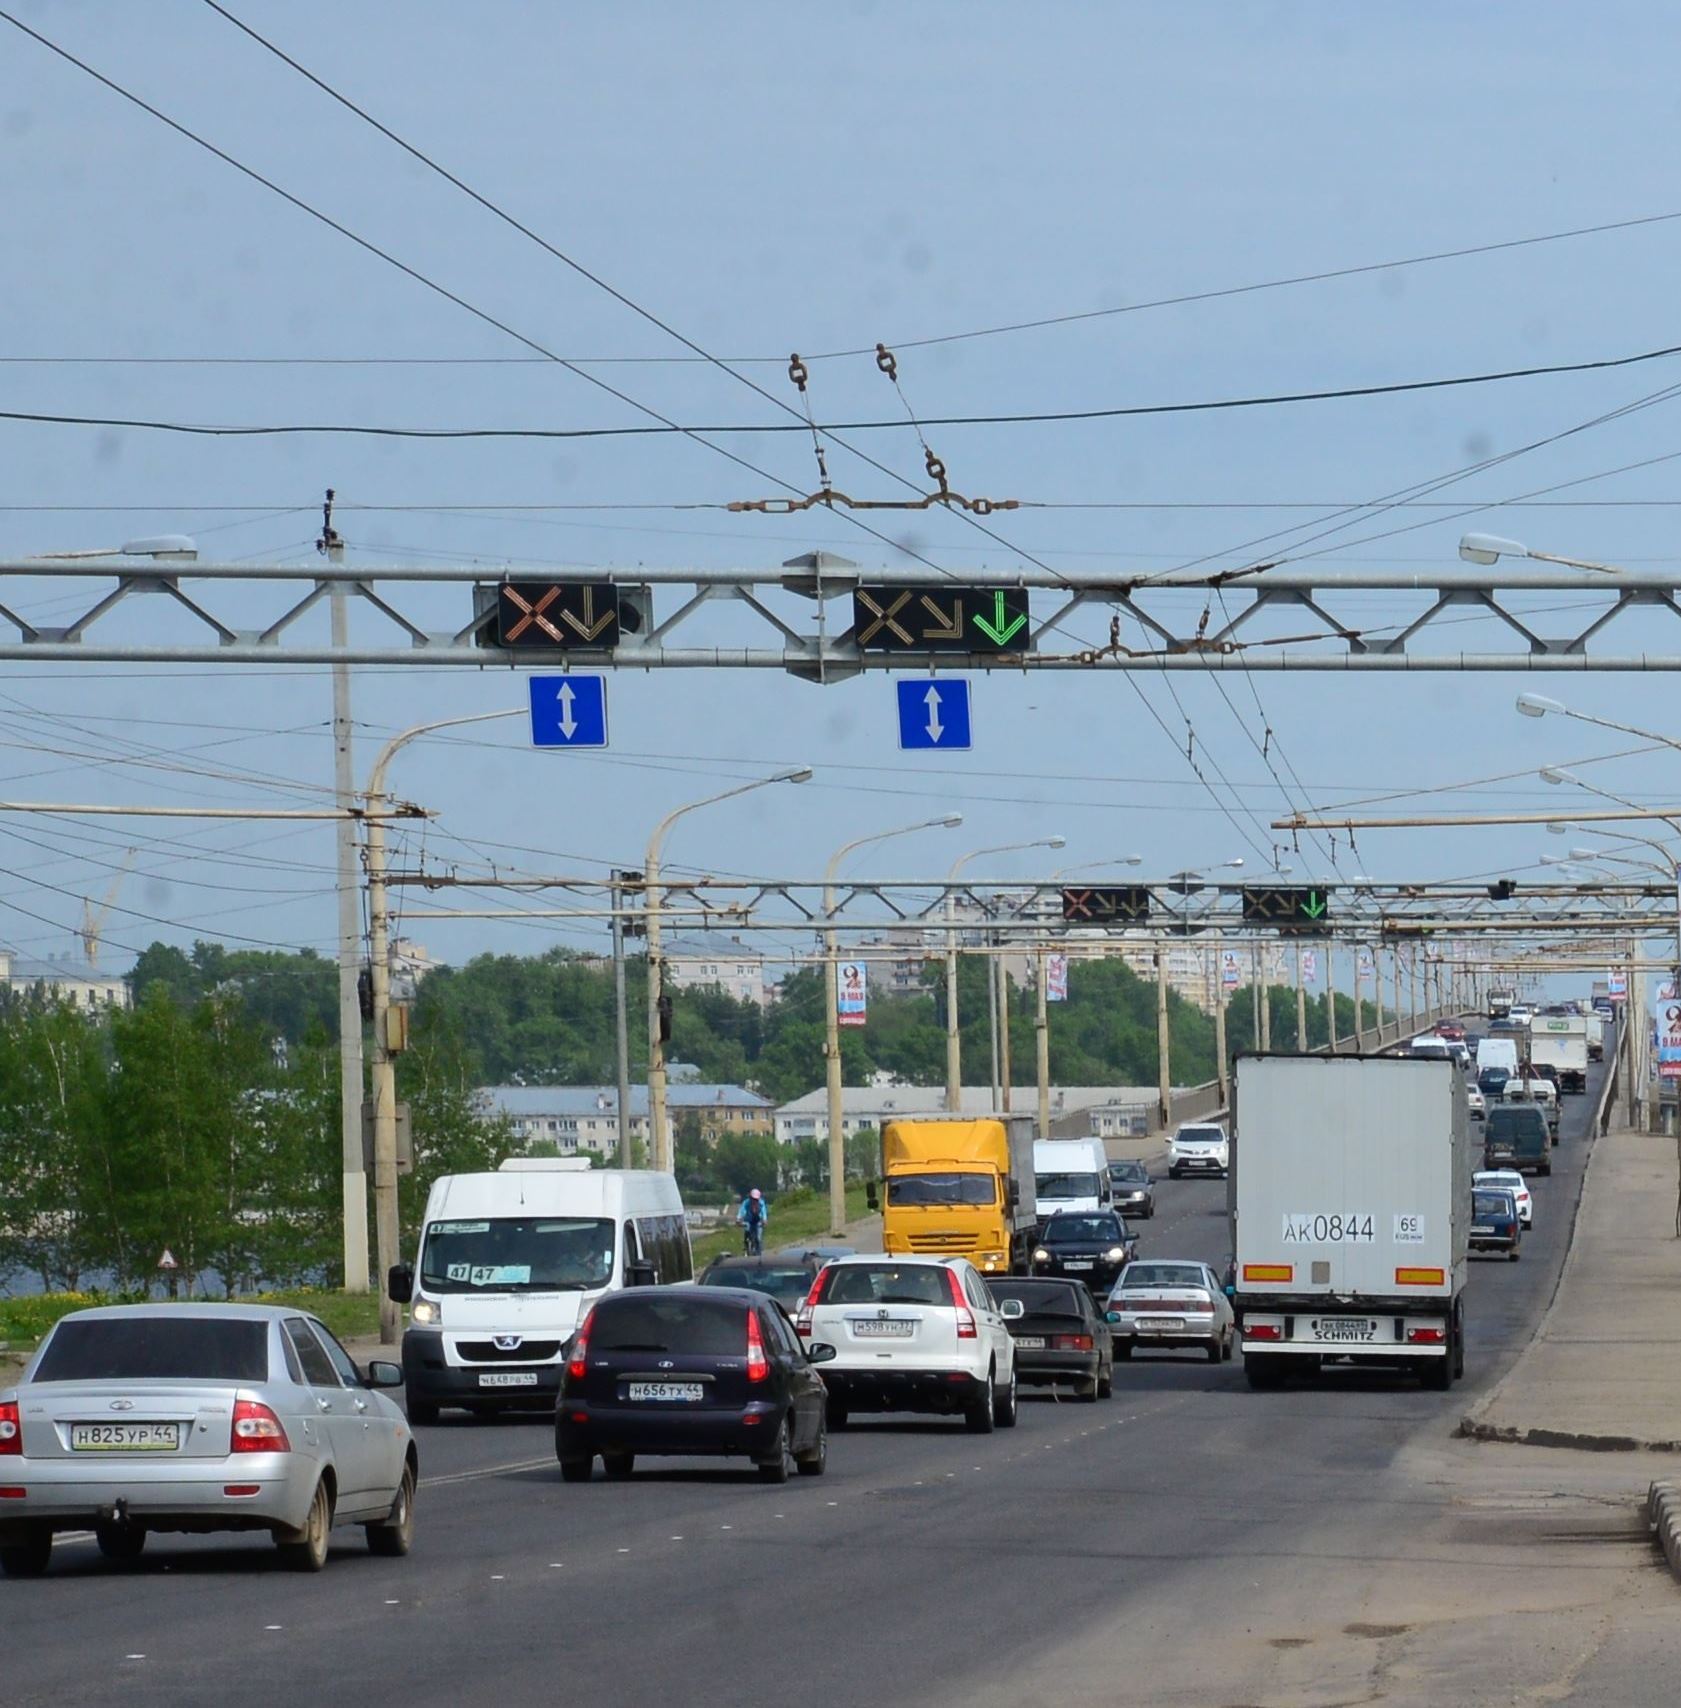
{"type": "Point", "coordinates": [1165, 1303]}
{"type": "Point", "coordinates": [135, 1418]}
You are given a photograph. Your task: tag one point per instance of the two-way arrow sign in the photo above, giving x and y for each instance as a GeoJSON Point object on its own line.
{"type": "Point", "coordinates": [933, 714]}
{"type": "Point", "coordinates": [568, 711]}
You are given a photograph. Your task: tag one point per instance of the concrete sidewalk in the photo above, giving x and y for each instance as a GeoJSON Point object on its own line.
{"type": "Point", "coordinates": [1604, 1369]}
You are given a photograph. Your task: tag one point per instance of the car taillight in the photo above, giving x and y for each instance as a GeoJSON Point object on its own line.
{"type": "Point", "coordinates": [758, 1366]}
{"type": "Point", "coordinates": [802, 1322]}
{"type": "Point", "coordinates": [11, 1428]}
{"type": "Point", "coordinates": [965, 1317]}
{"type": "Point", "coordinates": [257, 1430]}
{"type": "Point", "coordinates": [1071, 1342]}
{"type": "Point", "coordinates": [1263, 1331]}
{"type": "Point", "coordinates": [580, 1351]}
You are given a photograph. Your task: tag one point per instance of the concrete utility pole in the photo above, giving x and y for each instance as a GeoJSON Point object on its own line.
{"type": "Point", "coordinates": [1002, 979]}
{"type": "Point", "coordinates": [355, 1183]}
{"type": "Point", "coordinates": [1330, 996]}
{"type": "Point", "coordinates": [1164, 1067]}
{"type": "Point", "coordinates": [831, 1027]}
{"type": "Point", "coordinates": [1042, 1037]}
{"type": "Point", "coordinates": [659, 1136]}
{"type": "Point", "coordinates": [1301, 1005]}
{"type": "Point", "coordinates": [621, 1024]}
{"type": "Point", "coordinates": [1395, 969]}
{"type": "Point", "coordinates": [1359, 1022]}
{"type": "Point", "coordinates": [1222, 1073]}
{"type": "Point", "coordinates": [390, 1034]}
{"type": "Point", "coordinates": [1266, 998]}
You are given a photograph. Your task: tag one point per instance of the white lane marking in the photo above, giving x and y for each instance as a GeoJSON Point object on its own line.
{"type": "Point", "coordinates": [134, 1657]}
{"type": "Point", "coordinates": [274, 1627]}
{"type": "Point", "coordinates": [624, 1550]}
{"type": "Point", "coordinates": [556, 1565]}
{"type": "Point", "coordinates": [393, 1603]}
{"type": "Point", "coordinates": [498, 1577]}
{"type": "Point", "coordinates": [726, 1527]}
{"type": "Point", "coordinates": [486, 1471]}
{"type": "Point", "coordinates": [677, 1538]}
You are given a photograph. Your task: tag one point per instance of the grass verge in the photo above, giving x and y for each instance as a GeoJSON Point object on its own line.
{"type": "Point", "coordinates": [797, 1217]}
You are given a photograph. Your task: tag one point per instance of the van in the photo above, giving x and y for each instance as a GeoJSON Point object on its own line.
{"type": "Point", "coordinates": [1515, 1136]}
{"type": "Point", "coordinates": [1071, 1175]}
{"type": "Point", "coordinates": [509, 1265]}
{"type": "Point", "coordinates": [1498, 1053]}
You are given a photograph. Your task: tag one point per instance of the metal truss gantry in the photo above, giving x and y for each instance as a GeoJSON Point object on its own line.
{"type": "Point", "coordinates": [800, 618]}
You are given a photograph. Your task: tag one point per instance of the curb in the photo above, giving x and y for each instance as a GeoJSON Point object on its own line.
{"type": "Point", "coordinates": [1470, 1429]}
{"type": "Point", "coordinates": [1663, 1519]}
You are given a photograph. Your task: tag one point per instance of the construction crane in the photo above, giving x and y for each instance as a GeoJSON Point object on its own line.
{"type": "Point", "coordinates": [93, 920]}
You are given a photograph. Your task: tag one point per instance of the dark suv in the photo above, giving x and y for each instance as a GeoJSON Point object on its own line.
{"type": "Point", "coordinates": [1089, 1246]}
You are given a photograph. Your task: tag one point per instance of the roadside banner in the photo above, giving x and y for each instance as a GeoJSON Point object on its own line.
{"type": "Point", "coordinates": [1367, 966]}
{"type": "Point", "coordinates": [851, 996]}
{"type": "Point", "coordinates": [1669, 1040]}
{"type": "Point", "coordinates": [1056, 978]}
{"type": "Point", "coordinates": [1230, 969]}
{"type": "Point", "coordinates": [1616, 984]}
{"type": "Point", "coordinates": [1310, 966]}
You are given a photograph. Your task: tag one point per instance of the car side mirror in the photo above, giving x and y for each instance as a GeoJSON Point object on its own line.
{"type": "Point", "coordinates": [871, 1196]}
{"type": "Point", "coordinates": [821, 1352]}
{"type": "Point", "coordinates": [384, 1374]}
{"type": "Point", "coordinates": [1111, 1316]}
{"type": "Point", "coordinates": [399, 1283]}
{"type": "Point", "coordinates": [1011, 1310]}
{"type": "Point", "coordinates": [639, 1272]}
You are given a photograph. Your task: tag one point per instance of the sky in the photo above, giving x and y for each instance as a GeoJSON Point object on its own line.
{"type": "Point", "coordinates": [769, 179]}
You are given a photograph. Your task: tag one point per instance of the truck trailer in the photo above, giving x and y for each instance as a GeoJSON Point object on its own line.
{"type": "Point", "coordinates": [1350, 1199]}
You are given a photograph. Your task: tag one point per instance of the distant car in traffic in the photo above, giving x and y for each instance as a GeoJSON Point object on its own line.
{"type": "Point", "coordinates": [716, 1372]}
{"type": "Point", "coordinates": [134, 1419]}
{"type": "Point", "coordinates": [823, 1253]}
{"type": "Point", "coordinates": [787, 1279]}
{"type": "Point", "coordinates": [1060, 1334]}
{"type": "Point", "coordinates": [1134, 1190]}
{"type": "Point", "coordinates": [1171, 1304]}
{"type": "Point", "coordinates": [1476, 1105]}
{"type": "Point", "coordinates": [916, 1334]}
{"type": "Point", "coordinates": [1509, 1180]}
{"type": "Point", "coordinates": [1088, 1248]}
{"type": "Point", "coordinates": [1198, 1147]}
{"type": "Point", "coordinates": [1494, 1221]}
{"type": "Point", "coordinates": [1491, 1081]}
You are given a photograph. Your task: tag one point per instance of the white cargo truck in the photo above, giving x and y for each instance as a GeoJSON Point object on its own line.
{"type": "Point", "coordinates": [1350, 1198]}
{"type": "Point", "coordinates": [1560, 1042]}
{"type": "Point", "coordinates": [1595, 1024]}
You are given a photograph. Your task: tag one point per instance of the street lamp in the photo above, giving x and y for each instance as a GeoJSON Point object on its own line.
{"type": "Point", "coordinates": [658, 1139]}
{"type": "Point", "coordinates": [831, 982]}
{"type": "Point", "coordinates": [1490, 548]}
{"type": "Point", "coordinates": [954, 1061]}
{"type": "Point", "coordinates": [1539, 705]}
{"type": "Point", "coordinates": [383, 1073]}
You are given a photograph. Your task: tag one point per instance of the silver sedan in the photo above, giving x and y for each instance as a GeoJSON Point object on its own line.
{"type": "Point", "coordinates": [137, 1418]}
{"type": "Point", "coordinates": [1164, 1303]}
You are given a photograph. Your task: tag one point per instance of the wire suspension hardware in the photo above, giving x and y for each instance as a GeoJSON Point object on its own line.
{"type": "Point", "coordinates": [826, 494]}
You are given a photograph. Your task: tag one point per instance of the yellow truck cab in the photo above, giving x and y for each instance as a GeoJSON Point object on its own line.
{"type": "Point", "coordinates": [959, 1187]}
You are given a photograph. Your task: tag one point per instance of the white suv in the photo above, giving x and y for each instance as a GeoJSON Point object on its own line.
{"type": "Point", "coordinates": [910, 1334]}
{"type": "Point", "coordinates": [1198, 1148]}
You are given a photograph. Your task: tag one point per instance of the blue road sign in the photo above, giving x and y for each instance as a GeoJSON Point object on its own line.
{"type": "Point", "coordinates": [933, 714]}
{"type": "Point", "coordinates": [568, 711]}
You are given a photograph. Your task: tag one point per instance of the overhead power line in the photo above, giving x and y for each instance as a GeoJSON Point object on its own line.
{"type": "Point", "coordinates": [1035, 417]}
{"type": "Point", "coordinates": [1072, 318]}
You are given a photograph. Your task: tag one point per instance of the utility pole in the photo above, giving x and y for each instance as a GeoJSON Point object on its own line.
{"type": "Point", "coordinates": [1395, 969]}
{"type": "Point", "coordinates": [1359, 1020]}
{"type": "Point", "coordinates": [1042, 1037]}
{"type": "Point", "coordinates": [1003, 976]}
{"type": "Point", "coordinates": [1301, 1004]}
{"type": "Point", "coordinates": [954, 1043]}
{"type": "Point", "coordinates": [1330, 996]}
{"type": "Point", "coordinates": [1266, 995]}
{"type": "Point", "coordinates": [1164, 1068]}
{"type": "Point", "coordinates": [1255, 987]}
{"type": "Point", "coordinates": [1221, 1071]}
{"type": "Point", "coordinates": [621, 1021]}
{"type": "Point", "coordinates": [992, 1012]}
{"type": "Point", "coordinates": [355, 1180]}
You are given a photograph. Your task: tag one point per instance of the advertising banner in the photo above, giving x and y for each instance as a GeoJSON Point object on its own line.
{"type": "Point", "coordinates": [1056, 978]}
{"type": "Point", "coordinates": [851, 995]}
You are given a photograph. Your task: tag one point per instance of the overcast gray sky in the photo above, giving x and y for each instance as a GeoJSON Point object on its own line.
{"type": "Point", "coordinates": [771, 178]}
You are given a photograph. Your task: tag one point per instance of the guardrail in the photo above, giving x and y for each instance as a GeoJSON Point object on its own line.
{"type": "Point", "coordinates": [1608, 1089]}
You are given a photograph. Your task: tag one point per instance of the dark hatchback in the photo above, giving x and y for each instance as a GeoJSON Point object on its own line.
{"type": "Point", "coordinates": [1060, 1335]}
{"type": "Point", "coordinates": [1093, 1248]}
{"type": "Point", "coordinates": [1132, 1189]}
{"type": "Point", "coordinates": [1494, 1222]}
{"type": "Point", "coordinates": [787, 1278]}
{"type": "Point", "coordinates": [668, 1371]}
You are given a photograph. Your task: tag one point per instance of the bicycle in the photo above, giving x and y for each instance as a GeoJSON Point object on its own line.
{"type": "Point", "coordinates": [753, 1239]}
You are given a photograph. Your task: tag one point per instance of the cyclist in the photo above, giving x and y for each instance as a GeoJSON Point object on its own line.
{"type": "Point", "coordinates": [753, 1215]}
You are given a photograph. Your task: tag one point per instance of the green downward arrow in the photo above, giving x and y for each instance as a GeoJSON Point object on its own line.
{"type": "Point", "coordinates": [997, 629]}
{"type": "Point", "coordinates": [1314, 906]}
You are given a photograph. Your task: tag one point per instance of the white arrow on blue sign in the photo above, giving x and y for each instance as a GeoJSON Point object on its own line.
{"type": "Point", "coordinates": [568, 711]}
{"type": "Point", "coordinates": [933, 714]}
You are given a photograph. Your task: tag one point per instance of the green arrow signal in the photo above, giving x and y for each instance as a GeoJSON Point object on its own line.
{"type": "Point", "coordinates": [1314, 906]}
{"type": "Point", "coordinates": [996, 629]}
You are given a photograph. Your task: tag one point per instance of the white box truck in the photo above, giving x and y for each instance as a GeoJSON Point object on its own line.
{"type": "Point", "coordinates": [1071, 1175]}
{"type": "Point", "coordinates": [1350, 1198]}
{"type": "Point", "coordinates": [1560, 1042]}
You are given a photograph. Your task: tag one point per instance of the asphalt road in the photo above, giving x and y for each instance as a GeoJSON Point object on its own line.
{"type": "Point", "coordinates": [1092, 1553]}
